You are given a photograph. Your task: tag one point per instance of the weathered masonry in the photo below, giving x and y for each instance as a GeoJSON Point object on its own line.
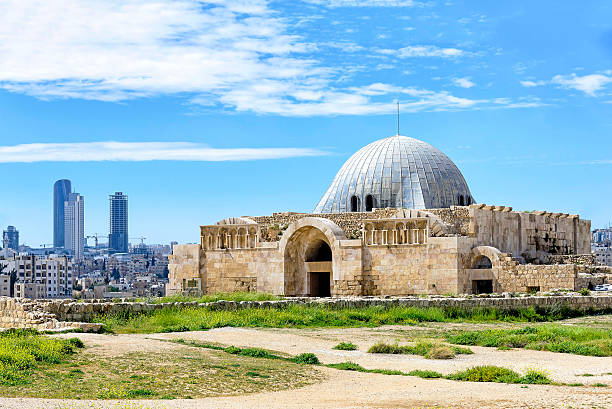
{"type": "Point", "coordinates": [430, 238]}
{"type": "Point", "coordinates": [470, 249]}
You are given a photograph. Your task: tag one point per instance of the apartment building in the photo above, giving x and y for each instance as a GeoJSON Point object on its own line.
{"type": "Point", "coordinates": [43, 277]}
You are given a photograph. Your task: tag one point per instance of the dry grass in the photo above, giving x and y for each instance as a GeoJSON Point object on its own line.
{"type": "Point", "coordinates": [183, 373]}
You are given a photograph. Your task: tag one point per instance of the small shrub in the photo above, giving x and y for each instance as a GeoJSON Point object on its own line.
{"type": "Point", "coordinates": [425, 374]}
{"type": "Point", "coordinates": [440, 352]}
{"type": "Point", "coordinates": [486, 373]}
{"type": "Point", "coordinates": [232, 350]}
{"type": "Point", "coordinates": [382, 348]}
{"type": "Point", "coordinates": [462, 350]}
{"type": "Point", "coordinates": [347, 366]}
{"type": "Point", "coordinates": [584, 291]}
{"type": "Point", "coordinates": [135, 393]}
{"type": "Point", "coordinates": [536, 377]}
{"type": "Point", "coordinates": [307, 358]}
{"type": "Point", "coordinates": [76, 342]}
{"type": "Point", "coordinates": [257, 353]}
{"type": "Point", "coordinates": [346, 346]}
{"type": "Point", "coordinates": [601, 385]}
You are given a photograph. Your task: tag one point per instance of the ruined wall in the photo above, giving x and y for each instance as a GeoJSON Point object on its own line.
{"type": "Point", "coordinates": [40, 315]}
{"type": "Point", "coordinates": [456, 216]}
{"type": "Point", "coordinates": [184, 268]}
{"type": "Point", "coordinates": [67, 314]}
{"type": "Point", "coordinates": [513, 277]}
{"type": "Point", "coordinates": [350, 223]}
{"type": "Point", "coordinates": [259, 269]}
{"type": "Point", "coordinates": [520, 232]}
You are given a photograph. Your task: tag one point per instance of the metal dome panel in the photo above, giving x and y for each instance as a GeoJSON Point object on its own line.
{"type": "Point", "coordinates": [398, 172]}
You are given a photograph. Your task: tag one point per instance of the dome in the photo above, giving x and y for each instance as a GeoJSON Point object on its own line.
{"type": "Point", "coordinates": [398, 172]}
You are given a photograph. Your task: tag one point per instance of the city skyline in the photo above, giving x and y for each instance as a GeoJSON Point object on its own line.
{"type": "Point", "coordinates": [518, 95]}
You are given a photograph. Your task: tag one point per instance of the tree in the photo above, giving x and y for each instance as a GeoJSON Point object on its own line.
{"type": "Point", "coordinates": [115, 274]}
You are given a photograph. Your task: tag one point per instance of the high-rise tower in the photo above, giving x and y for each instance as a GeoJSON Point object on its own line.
{"type": "Point", "coordinates": [74, 224]}
{"type": "Point", "coordinates": [61, 190]}
{"type": "Point", "coordinates": [118, 237]}
{"type": "Point", "coordinates": [10, 238]}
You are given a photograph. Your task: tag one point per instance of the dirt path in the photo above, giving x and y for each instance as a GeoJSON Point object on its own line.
{"type": "Point", "coordinates": [345, 389]}
{"type": "Point", "coordinates": [564, 368]}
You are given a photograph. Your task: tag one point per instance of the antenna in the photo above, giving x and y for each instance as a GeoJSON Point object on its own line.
{"type": "Point", "coordinates": [398, 117]}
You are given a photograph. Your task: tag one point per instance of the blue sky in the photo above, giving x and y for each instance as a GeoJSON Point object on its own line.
{"type": "Point", "coordinates": [201, 110]}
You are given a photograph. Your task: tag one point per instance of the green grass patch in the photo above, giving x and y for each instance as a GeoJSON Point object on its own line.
{"type": "Point", "coordinates": [313, 316]}
{"type": "Point", "coordinates": [427, 349]}
{"type": "Point", "coordinates": [548, 337]}
{"type": "Point", "coordinates": [179, 373]}
{"type": "Point", "coordinates": [23, 351]}
{"type": "Point", "coordinates": [489, 373]}
{"type": "Point", "coordinates": [427, 374]}
{"type": "Point", "coordinates": [307, 358]}
{"type": "Point", "coordinates": [346, 346]}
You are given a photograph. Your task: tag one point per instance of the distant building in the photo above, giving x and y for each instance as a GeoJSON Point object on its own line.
{"type": "Point", "coordinates": [61, 191]}
{"type": "Point", "coordinates": [603, 254]}
{"type": "Point", "coordinates": [74, 224]}
{"type": "Point", "coordinates": [118, 237]}
{"type": "Point", "coordinates": [43, 277]}
{"type": "Point", "coordinates": [602, 236]}
{"type": "Point", "coordinates": [10, 238]}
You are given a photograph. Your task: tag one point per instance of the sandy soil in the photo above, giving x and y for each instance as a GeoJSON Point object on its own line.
{"type": "Point", "coordinates": [343, 389]}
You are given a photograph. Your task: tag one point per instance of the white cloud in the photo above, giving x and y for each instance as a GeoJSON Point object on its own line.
{"type": "Point", "coordinates": [589, 84]}
{"type": "Point", "coordinates": [530, 84]}
{"type": "Point", "coordinates": [463, 82]}
{"type": "Point", "coordinates": [428, 51]}
{"type": "Point", "coordinates": [114, 49]}
{"type": "Point", "coordinates": [232, 54]}
{"type": "Point", "coordinates": [141, 151]}
{"type": "Point", "coordinates": [365, 3]}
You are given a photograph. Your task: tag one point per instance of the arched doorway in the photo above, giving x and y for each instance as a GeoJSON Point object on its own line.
{"type": "Point", "coordinates": [369, 202]}
{"type": "Point", "coordinates": [482, 285]}
{"type": "Point", "coordinates": [483, 262]}
{"type": "Point", "coordinates": [318, 258]}
{"type": "Point", "coordinates": [309, 247]}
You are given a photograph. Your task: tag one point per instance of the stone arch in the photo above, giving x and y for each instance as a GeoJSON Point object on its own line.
{"type": "Point", "coordinates": [304, 246]}
{"type": "Point", "coordinates": [484, 251]}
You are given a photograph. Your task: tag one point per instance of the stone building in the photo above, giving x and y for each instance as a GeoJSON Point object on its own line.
{"type": "Point", "coordinates": [398, 219]}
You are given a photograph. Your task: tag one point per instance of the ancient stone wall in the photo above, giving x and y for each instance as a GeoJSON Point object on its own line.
{"type": "Point", "coordinates": [526, 277]}
{"type": "Point", "coordinates": [67, 314]}
{"type": "Point", "coordinates": [350, 223]}
{"type": "Point", "coordinates": [413, 269]}
{"type": "Point", "coordinates": [456, 216]}
{"type": "Point", "coordinates": [185, 273]}
{"type": "Point", "coordinates": [229, 270]}
{"type": "Point", "coordinates": [520, 232]}
{"type": "Point", "coordinates": [584, 259]}
{"type": "Point", "coordinates": [36, 314]}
